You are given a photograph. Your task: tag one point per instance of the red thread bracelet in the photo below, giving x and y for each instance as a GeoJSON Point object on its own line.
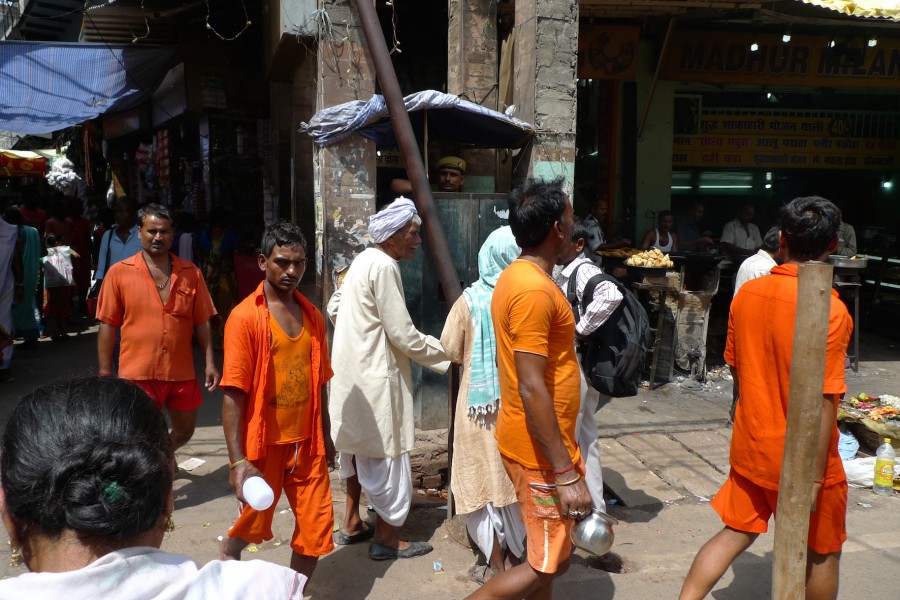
{"type": "Point", "coordinates": [564, 471]}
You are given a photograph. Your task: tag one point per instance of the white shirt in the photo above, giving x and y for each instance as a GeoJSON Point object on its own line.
{"type": "Point", "coordinates": [149, 574]}
{"type": "Point", "coordinates": [371, 397]}
{"type": "Point", "coordinates": [606, 295]}
{"type": "Point", "coordinates": [755, 266]}
{"type": "Point", "coordinates": [734, 233]}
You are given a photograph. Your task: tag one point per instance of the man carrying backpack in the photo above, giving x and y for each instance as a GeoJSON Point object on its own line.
{"type": "Point", "coordinates": [606, 298]}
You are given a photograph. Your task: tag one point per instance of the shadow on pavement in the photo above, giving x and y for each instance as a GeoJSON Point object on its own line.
{"type": "Point", "coordinates": [201, 489]}
{"type": "Point", "coordinates": [752, 578]}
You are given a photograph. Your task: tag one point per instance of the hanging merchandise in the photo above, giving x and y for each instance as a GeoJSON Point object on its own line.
{"type": "Point", "coordinates": [88, 171]}
{"type": "Point", "coordinates": [162, 158]}
{"type": "Point", "coordinates": [142, 157]}
{"type": "Point", "coordinates": [62, 176]}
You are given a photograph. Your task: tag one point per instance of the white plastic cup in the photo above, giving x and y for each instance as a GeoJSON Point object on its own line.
{"type": "Point", "coordinates": [257, 493]}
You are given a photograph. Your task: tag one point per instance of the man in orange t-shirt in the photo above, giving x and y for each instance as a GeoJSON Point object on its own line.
{"type": "Point", "coordinates": [540, 393]}
{"type": "Point", "coordinates": [275, 409]}
{"type": "Point", "coordinates": [160, 302]}
{"type": "Point", "coordinates": [759, 350]}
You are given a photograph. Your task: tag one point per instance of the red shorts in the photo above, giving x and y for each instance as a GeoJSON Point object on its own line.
{"type": "Point", "coordinates": [177, 395]}
{"type": "Point", "coordinates": [306, 484]}
{"type": "Point", "coordinates": [549, 535]}
{"type": "Point", "coordinates": [746, 506]}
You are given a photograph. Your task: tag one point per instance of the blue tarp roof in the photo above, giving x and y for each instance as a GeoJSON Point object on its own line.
{"type": "Point", "coordinates": [449, 119]}
{"type": "Point", "coordinates": [48, 86]}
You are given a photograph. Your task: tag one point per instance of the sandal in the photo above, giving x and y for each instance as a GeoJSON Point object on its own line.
{"type": "Point", "coordinates": [345, 539]}
{"type": "Point", "coordinates": [479, 573]}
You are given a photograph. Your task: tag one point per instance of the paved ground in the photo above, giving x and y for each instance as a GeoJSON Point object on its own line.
{"type": "Point", "coordinates": [665, 453]}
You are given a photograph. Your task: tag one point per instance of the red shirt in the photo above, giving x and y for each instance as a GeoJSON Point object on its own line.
{"type": "Point", "coordinates": [156, 338]}
{"type": "Point", "coordinates": [760, 344]}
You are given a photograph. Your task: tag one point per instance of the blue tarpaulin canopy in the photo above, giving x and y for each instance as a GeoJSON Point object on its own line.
{"type": "Point", "coordinates": [48, 86]}
{"type": "Point", "coordinates": [449, 119]}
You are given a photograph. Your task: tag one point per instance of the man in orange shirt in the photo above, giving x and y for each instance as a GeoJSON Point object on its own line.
{"type": "Point", "coordinates": [160, 302]}
{"type": "Point", "coordinates": [759, 348]}
{"type": "Point", "coordinates": [535, 332]}
{"type": "Point", "coordinates": [275, 409]}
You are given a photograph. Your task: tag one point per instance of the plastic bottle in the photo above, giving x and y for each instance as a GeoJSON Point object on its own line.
{"type": "Point", "coordinates": [884, 469]}
{"type": "Point", "coordinates": [258, 494]}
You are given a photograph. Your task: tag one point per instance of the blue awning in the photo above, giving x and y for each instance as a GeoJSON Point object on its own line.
{"type": "Point", "coordinates": [48, 86]}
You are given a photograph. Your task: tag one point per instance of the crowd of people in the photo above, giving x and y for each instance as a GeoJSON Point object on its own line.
{"type": "Point", "coordinates": [526, 463]}
{"type": "Point", "coordinates": [740, 238]}
{"type": "Point", "coordinates": [55, 260]}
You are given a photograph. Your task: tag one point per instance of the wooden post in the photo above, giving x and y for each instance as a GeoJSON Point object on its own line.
{"type": "Point", "coordinates": [802, 434]}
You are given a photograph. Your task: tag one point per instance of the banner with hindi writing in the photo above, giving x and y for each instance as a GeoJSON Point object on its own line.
{"type": "Point", "coordinates": [781, 142]}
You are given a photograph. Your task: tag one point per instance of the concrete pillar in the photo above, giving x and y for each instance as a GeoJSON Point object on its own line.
{"type": "Point", "coordinates": [654, 147]}
{"type": "Point", "coordinates": [472, 72]}
{"type": "Point", "coordinates": [344, 173]}
{"type": "Point", "coordinates": [546, 54]}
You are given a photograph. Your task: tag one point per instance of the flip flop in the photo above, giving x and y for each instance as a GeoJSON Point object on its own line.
{"type": "Point", "coordinates": [478, 572]}
{"type": "Point", "coordinates": [345, 539]}
{"type": "Point", "coordinates": [381, 552]}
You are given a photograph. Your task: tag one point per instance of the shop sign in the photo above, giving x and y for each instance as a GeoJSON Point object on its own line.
{"type": "Point", "coordinates": [390, 158]}
{"type": "Point", "coordinates": [608, 51]}
{"type": "Point", "coordinates": [805, 61]}
{"type": "Point", "coordinates": [12, 165]}
{"type": "Point", "coordinates": [777, 142]}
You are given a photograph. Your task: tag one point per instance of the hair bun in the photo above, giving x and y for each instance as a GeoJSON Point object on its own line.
{"type": "Point", "coordinates": [104, 485]}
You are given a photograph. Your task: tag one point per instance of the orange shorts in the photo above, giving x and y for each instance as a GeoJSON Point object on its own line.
{"type": "Point", "coordinates": [549, 535]}
{"type": "Point", "coordinates": [177, 395]}
{"type": "Point", "coordinates": [746, 506]}
{"type": "Point", "coordinates": [306, 484]}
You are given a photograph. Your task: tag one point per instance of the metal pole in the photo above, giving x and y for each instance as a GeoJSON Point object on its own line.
{"type": "Point", "coordinates": [662, 56]}
{"type": "Point", "coordinates": [390, 88]}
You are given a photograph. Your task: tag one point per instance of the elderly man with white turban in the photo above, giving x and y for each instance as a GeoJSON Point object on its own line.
{"type": "Point", "coordinates": [371, 393]}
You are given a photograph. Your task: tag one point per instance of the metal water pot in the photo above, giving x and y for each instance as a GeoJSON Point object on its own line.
{"type": "Point", "coordinates": [594, 533]}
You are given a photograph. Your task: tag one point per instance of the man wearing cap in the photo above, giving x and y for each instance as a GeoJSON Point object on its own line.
{"type": "Point", "coordinates": [451, 175]}
{"type": "Point", "coordinates": [371, 392]}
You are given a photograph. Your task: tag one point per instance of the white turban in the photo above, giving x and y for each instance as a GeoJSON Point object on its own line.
{"type": "Point", "coordinates": [391, 219]}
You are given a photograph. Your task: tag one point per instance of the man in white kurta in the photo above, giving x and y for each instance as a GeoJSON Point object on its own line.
{"type": "Point", "coordinates": [371, 396]}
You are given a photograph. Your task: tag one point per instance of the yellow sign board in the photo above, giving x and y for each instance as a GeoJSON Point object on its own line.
{"type": "Point", "coordinates": [804, 61]}
{"type": "Point", "coordinates": [777, 142]}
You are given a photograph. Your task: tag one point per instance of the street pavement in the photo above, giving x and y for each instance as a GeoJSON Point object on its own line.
{"type": "Point", "coordinates": [665, 454]}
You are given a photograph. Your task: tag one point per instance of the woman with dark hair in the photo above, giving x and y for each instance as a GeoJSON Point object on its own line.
{"type": "Point", "coordinates": [86, 473]}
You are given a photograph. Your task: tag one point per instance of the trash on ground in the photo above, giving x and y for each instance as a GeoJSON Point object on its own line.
{"type": "Point", "coordinates": [191, 464]}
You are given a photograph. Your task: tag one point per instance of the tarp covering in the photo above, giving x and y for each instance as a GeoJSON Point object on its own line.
{"type": "Point", "coordinates": [449, 119]}
{"type": "Point", "coordinates": [22, 163]}
{"type": "Point", "coordinates": [48, 86]}
{"type": "Point", "coordinates": [878, 9]}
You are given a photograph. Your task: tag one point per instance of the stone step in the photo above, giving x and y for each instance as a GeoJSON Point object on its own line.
{"type": "Point", "coordinates": [676, 465]}
{"type": "Point", "coordinates": [629, 479]}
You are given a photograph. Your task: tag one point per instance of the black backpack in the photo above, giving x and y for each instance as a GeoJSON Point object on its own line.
{"type": "Point", "coordinates": [613, 356]}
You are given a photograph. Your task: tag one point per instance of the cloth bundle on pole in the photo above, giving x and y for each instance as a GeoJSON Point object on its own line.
{"type": "Point", "coordinates": [442, 116]}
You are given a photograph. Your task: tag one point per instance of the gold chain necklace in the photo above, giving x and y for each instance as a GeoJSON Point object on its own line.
{"type": "Point", "coordinates": [162, 286]}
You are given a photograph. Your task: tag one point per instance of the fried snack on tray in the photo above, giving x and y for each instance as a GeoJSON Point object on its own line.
{"type": "Point", "coordinates": [618, 252]}
{"type": "Point", "coordinates": [652, 258]}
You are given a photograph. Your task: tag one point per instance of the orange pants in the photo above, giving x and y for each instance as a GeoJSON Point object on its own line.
{"type": "Point", "coordinates": [745, 506]}
{"type": "Point", "coordinates": [549, 535]}
{"type": "Point", "coordinates": [304, 479]}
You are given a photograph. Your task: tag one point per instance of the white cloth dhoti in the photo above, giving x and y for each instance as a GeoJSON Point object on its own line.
{"type": "Point", "coordinates": [587, 435]}
{"type": "Point", "coordinates": [387, 483]}
{"type": "Point", "coordinates": [505, 522]}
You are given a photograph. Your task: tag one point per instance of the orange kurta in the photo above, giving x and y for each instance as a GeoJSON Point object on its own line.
{"type": "Point", "coordinates": [531, 315]}
{"type": "Point", "coordinates": [248, 361]}
{"type": "Point", "coordinates": [156, 338]}
{"type": "Point", "coordinates": [760, 344]}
